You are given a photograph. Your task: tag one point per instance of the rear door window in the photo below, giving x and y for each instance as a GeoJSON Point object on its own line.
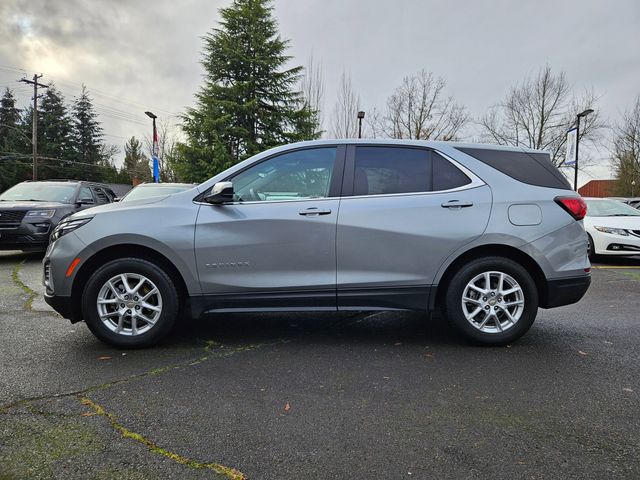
{"type": "Point", "coordinates": [387, 170]}
{"type": "Point", "coordinates": [85, 195]}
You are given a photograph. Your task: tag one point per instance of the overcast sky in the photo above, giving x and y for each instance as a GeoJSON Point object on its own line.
{"type": "Point", "coordinates": [135, 55]}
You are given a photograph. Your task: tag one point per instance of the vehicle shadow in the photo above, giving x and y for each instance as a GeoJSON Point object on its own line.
{"type": "Point", "coordinates": [633, 261]}
{"type": "Point", "coordinates": [16, 256]}
{"type": "Point", "coordinates": [319, 328]}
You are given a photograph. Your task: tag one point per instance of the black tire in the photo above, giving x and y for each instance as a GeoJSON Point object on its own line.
{"type": "Point", "coordinates": [592, 249]}
{"type": "Point", "coordinates": [163, 324]}
{"type": "Point", "coordinates": [455, 289]}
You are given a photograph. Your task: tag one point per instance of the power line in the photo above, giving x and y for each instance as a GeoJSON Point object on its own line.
{"type": "Point", "coordinates": [9, 155]}
{"type": "Point", "coordinates": [71, 88]}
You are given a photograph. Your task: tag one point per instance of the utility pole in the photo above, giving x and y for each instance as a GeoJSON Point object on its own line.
{"type": "Point", "coordinates": [34, 133]}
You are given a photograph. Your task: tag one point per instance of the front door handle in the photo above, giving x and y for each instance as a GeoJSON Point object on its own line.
{"type": "Point", "coordinates": [456, 204]}
{"type": "Point", "coordinates": [313, 211]}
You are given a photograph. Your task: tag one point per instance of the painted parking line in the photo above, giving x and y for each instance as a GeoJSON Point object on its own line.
{"type": "Point", "coordinates": [616, 266]}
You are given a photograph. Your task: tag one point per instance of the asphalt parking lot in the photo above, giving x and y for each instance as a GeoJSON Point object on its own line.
{"type": "Point", "coordinates": [366, 396]}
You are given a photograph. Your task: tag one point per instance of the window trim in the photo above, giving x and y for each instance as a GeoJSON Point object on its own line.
{"type": "Point", "coordinates": [349, 174]}
{"type": "Point", "coordinates": [335, 184]}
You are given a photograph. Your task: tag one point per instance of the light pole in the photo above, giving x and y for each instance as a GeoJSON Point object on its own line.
{"type": "Point", "coordinates": [360, 117]}
{"type": "Point", "coordinates": [578, 117]}
{"type": "Point", "coordinates": [154, 148]}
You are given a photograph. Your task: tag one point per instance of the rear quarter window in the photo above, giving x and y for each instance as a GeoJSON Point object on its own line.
{"type": "Point", "coordinates": [530, 168]}
{"type": "Point", "coordinates": [446, 175]}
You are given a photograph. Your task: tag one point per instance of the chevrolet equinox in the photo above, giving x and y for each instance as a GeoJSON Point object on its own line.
{"type": "Point", "coordinates": [485, 234]}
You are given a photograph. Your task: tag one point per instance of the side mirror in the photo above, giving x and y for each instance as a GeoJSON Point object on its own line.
{"type": "Point", "coordinates": [222, 192]}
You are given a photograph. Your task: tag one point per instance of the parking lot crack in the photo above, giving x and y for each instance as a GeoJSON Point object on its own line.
{"type": "Point", "coordinates": [218, 468]}
{"type": "Point", "coordinates": [212, 350]}
{"type": "Point", "coordinates": [31, 294]}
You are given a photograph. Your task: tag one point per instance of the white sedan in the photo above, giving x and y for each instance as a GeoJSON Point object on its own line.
{"type": "Point", "coordinates": [613, 227]}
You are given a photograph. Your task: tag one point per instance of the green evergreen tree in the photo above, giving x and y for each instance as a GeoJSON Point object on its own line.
{"type": "Point", "coordinates": [54, 137]}
{"type": "Point", "coordinates": [87, 134]}
{"type": "Point", "coordinates": [136, 165]}
{"type": "Point", "coordinates": [248, 101]}
{"type": "Point", "coordinates": [13, 143]}
{"type": "Point", "coordinates": [109, 173]}
{"type": "Point", "coordinates": [9, 121]}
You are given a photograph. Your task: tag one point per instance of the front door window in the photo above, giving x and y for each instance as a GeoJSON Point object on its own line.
{"type": "Point", "coordinates": [298, 175]}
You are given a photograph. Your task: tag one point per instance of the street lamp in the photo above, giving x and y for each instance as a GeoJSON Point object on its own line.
{"type": "Point", "coordinates": [154, 148]}
{"type": "Point", "coordinates": [578, 117]}
{"type": "Point", "coordinates": [360, 117]}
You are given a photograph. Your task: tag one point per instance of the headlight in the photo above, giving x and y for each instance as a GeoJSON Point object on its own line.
{"type": "Point", "coordinates": [68, 226]}
{"type": "Point", "coordinates": [40, 213]}
{"type": "Point", "coordinates": [613, 231]}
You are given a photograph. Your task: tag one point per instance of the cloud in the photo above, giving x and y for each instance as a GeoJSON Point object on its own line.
{"type": "Point", "coordinates": [148, 54]}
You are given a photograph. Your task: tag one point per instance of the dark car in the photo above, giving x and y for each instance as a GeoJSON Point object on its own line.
{"type": "Point", "coordinates": [634, 202]}
{"type": "Point", "coordinates": [29, 211]}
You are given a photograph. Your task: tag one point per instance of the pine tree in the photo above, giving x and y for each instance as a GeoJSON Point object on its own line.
{"type": "Point", "coordinates": [248, 101]}
{"type": "Point", "coordinates": [54, 135]}
{"type": "Point", "coordinates": [9, 121]}
{"type": "Point", "coordinates": [135, 163]}
{"type": "Point", "coordinates": [87, 133]}
{"type": "Point", "coordinates": [13, 143]}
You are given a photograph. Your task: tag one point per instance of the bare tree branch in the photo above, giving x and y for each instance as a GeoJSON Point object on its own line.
{"type": "Point", "coordinates": [538, 113]}
{"type": "Point", "coordinates": [417, 109]}
{"type": "Point", "coordinates": [626, 151]}
{"type": "Point", "coordinates": [312, 87]}
{"type": "Point", "coordinates": [345, 111]}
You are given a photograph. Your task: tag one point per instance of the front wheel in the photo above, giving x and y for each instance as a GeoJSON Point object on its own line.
{"type": "Point", "coordinates": [491, 301]}
{"type": "Point", "coordinates": [130, 303]}
{"type": "Point", "coordinates": [591, 249]}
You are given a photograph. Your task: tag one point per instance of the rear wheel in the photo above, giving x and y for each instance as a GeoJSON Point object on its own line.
{"type": "Point", "coordinates": [130, 303]}
{"type": "Point", "coordinates": [491, 301]}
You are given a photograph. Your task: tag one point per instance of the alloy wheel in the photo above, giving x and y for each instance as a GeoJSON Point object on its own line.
{"type": "Point", "coordinates": [493, 302]}
{"type": "Point", "coordinates": [129, 304]}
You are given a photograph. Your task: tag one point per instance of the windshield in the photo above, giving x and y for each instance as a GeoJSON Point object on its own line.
{"type": "Point", "coordinates": [610, 208]}
{"type": "Point", "coordinates": [147, 191]}
{"type": "Point", "coordinates": [40, 192]}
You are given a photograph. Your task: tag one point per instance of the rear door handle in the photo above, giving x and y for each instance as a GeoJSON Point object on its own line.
{"type": "Point", "coordinates": [313, 211]}
{"type": "Point", "coordinates": [456, 204]}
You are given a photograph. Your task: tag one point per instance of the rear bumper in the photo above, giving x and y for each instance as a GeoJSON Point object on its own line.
{"type": "Point", "coordinates": [565, 291]}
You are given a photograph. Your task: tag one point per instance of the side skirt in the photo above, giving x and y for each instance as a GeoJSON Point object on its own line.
{"type": "Point", "coordinates": [363, 299]}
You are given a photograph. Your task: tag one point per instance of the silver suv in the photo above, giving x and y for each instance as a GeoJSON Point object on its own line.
{"type": "Point", "coordinates": [486, 234]}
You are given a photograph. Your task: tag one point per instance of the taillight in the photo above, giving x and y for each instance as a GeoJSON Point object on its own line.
{"type": "Point", "coordinates": [574, 206]}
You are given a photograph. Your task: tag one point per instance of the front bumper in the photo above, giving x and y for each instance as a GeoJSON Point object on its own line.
{"type": "Point", "coordinates": [27, 236]}
{"type": "Point", "coordinates": [64, 306]}
{"type": "Point", "coordinates": [613, 244]}
{"type": "Point", "coordinates": [565, 291]}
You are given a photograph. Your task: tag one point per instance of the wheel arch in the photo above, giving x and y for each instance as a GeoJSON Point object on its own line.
{"type": "Point", "coordinates": [123, 251]}
{"type": "Point", "coordinates": [492, 250]}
